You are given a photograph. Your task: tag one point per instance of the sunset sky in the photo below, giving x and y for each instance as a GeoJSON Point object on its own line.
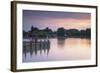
{"type": "Point", "coordinates": [54, 20]}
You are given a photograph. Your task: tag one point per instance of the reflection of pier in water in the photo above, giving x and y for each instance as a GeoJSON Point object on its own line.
{"type": "Point", "coordinates": [36, 47]}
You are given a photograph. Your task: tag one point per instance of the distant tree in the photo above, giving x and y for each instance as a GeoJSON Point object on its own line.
{"type": "Point", "coordinates": [41, 34]}
{"type": "Point", "coordinates": [32, 28]}
{"type": "Point", "coordinates": [48, 32]}
{"type": "Point", "coordinates": [25, 34]}
{"type": "Point", "coordinates": [60, 32]}
{"type": "Point", "coordinates": [72, 33]}
{"type": "Point", "coordinates": [33, 32]}
{"type": "Point", "coordinates": [88, 33]}
{"type": "Point", "coordinates": [83, 33]}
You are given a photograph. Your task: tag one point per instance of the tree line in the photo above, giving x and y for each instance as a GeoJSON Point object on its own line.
{"type": "Point", "coordinates": [60, 33]}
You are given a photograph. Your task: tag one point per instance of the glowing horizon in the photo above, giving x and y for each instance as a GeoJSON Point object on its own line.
{"type": "Point", "coordinates": [54, 20]}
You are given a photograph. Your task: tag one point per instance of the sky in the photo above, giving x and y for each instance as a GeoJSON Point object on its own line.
{"type": "Point", "coordinates": [55, 20]}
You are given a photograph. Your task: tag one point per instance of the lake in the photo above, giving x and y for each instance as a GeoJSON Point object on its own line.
{"type": "Point", "coordinates": [57, 50]}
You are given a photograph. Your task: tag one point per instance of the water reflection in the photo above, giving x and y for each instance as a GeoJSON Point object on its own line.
{"type": "Point", "coordinates": [41, 46]}
{"type": "Point", "coordinates": [60, 42]}
{"type": "Point", "coordinates": [57, 49]}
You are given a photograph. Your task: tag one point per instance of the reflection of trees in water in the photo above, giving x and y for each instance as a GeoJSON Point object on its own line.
{"type": "Point", "coordinates": [41, 46]}
{"type": "Point", "coordinates": [61, 42]}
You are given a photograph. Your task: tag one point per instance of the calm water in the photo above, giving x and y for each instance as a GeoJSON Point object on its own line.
{"type": "Point", "coordinates": [57, 49]}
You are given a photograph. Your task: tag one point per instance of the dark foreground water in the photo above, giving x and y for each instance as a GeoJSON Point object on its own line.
{"type": "Point", "coordinates": [57, 49]}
